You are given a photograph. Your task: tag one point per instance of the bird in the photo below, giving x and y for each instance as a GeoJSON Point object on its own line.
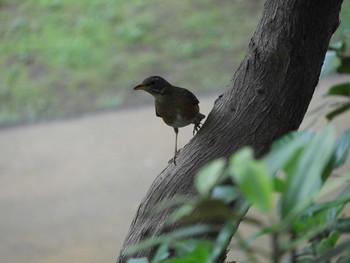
{"type": "Point", "coordinates": [178, 107]}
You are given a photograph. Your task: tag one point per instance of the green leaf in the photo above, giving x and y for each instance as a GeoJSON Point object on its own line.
{"type": "Point", "coordinates": [344, 259]}
{"type": "Point", "coordinates": [336, 251]}
{"type": "Point", "coordinates": [226, 193]}
{"type": "Point", "coordinates": [209, 176]}
{"type": "Point", "coordinates": [253, 179]}
{"type": "Point", "coordinates": [330, 63]}
{"type": "Point", "coordinates": [284, 150]}
{"type": "Point", "coordinates": [305, 181]}
{"type": "Point", "coordinates": [344, 107]}
{"type": "Point", "coordinates": [344, 66]}
{"type": "Point", "coordinates": [343, 225]}
{"type": "Point", "coordinates": [332, 208]}
{"type": "Point", "coordinates": [342, 149]}
{"type": "Point", "coordinates": [339, 46]}
{"type": "Point", "coordinates": [181, 212]}
{"type": "Point", "coordinates": [305, 260]}
{"type": "Point", "coordinates": [332, 239]}
{"type": "Point", "coordinates": [342, 89]}
{"type": "Point", "coordinates": [184, 247]}
{"type": "Point", "coordinates": [172, 202]}
{"type": "Point", "coordinates": [278, 184]}
{"type": "Point", "coordinates": [138, 260]}
{"type": "Point", "coordinates": [161, 254]}
{"type": "Point", "coordinates": [209, 210]}
{"type": "Point", "coordinates": [343, 196]}
{"type": "Point", "coordinates": [222, 241]}
{"type": "Point", "coordinates": [340, 154]}
{"type": "Point", "coordinates": [171, 237]}
{"type": "Point", "coordinates": [262, 231]}
{"type": "Point", "coordinates": [198, 255]}
{"type": "Point", "coordinates": [321, 245]}
{"type": "Point", "coordinates": [177, 260]}
{"type": "Point", "coordinates": [333, 184]}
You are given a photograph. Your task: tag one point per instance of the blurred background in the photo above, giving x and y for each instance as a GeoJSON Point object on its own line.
{"type": "Point", "coordinates": [79, 148]}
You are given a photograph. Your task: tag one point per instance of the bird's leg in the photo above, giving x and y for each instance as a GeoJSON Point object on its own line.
{"type": "Point", "coordinates": [176, 151]}
{"type": "Point", "coordinates": [176, 133]}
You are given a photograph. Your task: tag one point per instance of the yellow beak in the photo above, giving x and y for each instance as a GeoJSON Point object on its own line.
{"type": "Point", "coordinates": [140, 87]}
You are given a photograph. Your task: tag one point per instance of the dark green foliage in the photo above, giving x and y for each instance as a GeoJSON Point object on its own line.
{"type": "Point", "coordinates": [338, 60]}
{"type": "Point", "coordinates": [305, 226]}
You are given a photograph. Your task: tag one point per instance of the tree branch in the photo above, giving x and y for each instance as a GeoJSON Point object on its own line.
{"type": "Point", "coordinates": [266, 98]}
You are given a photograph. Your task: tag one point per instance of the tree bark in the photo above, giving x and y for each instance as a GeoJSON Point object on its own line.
{"type": "Point", "coordinates": [266, 98]}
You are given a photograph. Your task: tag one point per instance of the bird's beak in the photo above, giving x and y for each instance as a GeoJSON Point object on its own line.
{"type": "Point", "coordinates": [140, 87]}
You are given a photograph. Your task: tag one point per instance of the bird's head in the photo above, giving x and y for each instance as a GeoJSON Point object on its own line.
{"type": "Point", "coordinates": [154, 85]}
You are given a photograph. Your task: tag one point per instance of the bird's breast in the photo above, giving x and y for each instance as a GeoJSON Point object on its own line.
{"type": "Point", "coordinates": [177, 111]}
{"type": "Point", "coordinates": [180, 121]}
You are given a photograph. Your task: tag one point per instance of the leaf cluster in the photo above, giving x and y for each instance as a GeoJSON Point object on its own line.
{"type": "Point", "coordinates": [337, 60]}
{"type": "Point", "coordinates": [289, 186]}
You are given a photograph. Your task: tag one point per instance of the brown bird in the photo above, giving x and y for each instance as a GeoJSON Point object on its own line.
{"type": "Point", "coordinates": [178, 107]}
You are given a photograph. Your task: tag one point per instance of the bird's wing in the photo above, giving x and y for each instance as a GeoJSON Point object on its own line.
{"type": "Point", "coordinates": [190, 95]}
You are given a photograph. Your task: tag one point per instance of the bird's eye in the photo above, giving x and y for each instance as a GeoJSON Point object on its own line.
{"type": "Point", "coordinates": [152, 82]}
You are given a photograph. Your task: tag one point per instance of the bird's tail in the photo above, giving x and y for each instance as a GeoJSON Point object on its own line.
{"type": "Point", "coordinates": [200, 117]}
{"type": "Point", "coordinates": [197, 123]}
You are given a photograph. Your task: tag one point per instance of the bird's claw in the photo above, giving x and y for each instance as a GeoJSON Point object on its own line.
{"type": "Point", "coordinates": [174, 158]}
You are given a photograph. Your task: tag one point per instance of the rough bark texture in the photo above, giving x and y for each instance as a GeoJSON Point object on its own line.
{"type": "Point", "coordinates": [266, 98]}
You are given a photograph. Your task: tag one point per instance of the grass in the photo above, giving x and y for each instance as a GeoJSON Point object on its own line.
{"type": "Point", "coordinates": [62, 57]}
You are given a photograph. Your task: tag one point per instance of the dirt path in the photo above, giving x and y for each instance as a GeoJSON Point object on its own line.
{"type": "Point", "coordinates": [69, 189]}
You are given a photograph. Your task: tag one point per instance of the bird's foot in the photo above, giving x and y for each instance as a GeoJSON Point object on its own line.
{"type": "Point", "coordinates": [174, 158]}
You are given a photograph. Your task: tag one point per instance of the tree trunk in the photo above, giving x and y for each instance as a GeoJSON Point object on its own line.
{"type": "Point", "coordinates": [266, 98]}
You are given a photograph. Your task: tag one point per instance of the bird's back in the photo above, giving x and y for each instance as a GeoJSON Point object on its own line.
{"type": "Point", "coordinates": [180, 108]}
